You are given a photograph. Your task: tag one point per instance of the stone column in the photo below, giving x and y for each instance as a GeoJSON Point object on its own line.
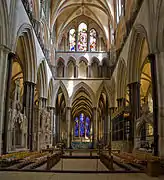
{"type": "Point", "coordinates": [28, 105]}
{"type": "Point", "coordinates": [156, 123]}
{"type": "Point", "coordinates": [7, 76]}
{"type": "Point", "coordinates": [68, 116]}
{"type": "Point", "coordinates": [57, 125]}
{"type": "Point", "coordinates": [100, 45]}
{"type": "Point", "coordinates": [110, 111]}
{"type": "Point", "coordinates": [134, 97]}
{"type": "Point", "coordinates": [94, 127]}
{"type": "Point", "coordinates": [42, 102]}
{"type": "Point", "coordinates": [76, 47]}
{"type": "Point", "coordinates": [76, 71]}
{"type": "Point", "coordinates": [52, 114]}
{"type": "Point", "coordinates": [88, 41]}
{"type": "Point", "coordinates": [159, 74]}
{"type": "Point", "coordinates": [89, 71]}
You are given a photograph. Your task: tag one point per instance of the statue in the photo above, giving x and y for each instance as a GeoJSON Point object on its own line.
{"type": "Point", "coordinates": [45, 122]}
{"type": "Point", "coordinates": [17, 127]}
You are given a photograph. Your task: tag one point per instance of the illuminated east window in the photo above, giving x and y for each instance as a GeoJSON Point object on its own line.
{"type": "Point", "coordinates": [92, 40]}
{"type": "Point", "coordinates": [76, 129]}
{"type": "Point", "coordinates": [82, 126]}
{"type": "Point", "coordinates": [82, 37]}
{"type": "Point", "coordinates": [72, 39]}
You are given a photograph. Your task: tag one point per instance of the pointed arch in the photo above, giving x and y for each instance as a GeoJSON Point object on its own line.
{"type": "Point", "coordinates": [25, 34]}
{"type": "Point", "coordinates": [82, 58]}
{"type": "Point", "coordinates": [86, 88]}
{"type": "Point", "coordinates": [121, 79]}
{"type": "Point", "coordinates": [139, 34]}
{"type": "Point", "coordinates": [57, 86]}
{"type": "Point", "coordinates": [108, 90]}
{"type": "Point", "coordinates": [71, 59]}
{"type": "Point", "coordinates": [95, 60]}
{"type": "Point", "coordinates": [42, 79]}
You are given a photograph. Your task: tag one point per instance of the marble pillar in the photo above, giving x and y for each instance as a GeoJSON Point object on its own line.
{"type": "Point", "coordinates": [110, 110]}
{"type": "Point", "coordinates": [76, 37]}
{"type": "Point", "coordinates": [7, 76]}
{"type": "Point", "coordinates": [134, 97]}
{"type": "Point", "coordinates": [94, 128]}
{"type": "Point", "coordinates": [28, 105]}
{"type": "Point", "coordinates": [153, 64]}
{"type": "Point", "coordinates": [68, 117]}
{"type": "Point", "coordinates": [88, 41]}
{"type": "Point", "coordinates": [160, 89]}
{"type": "Point", "coordinates": [89, 71]}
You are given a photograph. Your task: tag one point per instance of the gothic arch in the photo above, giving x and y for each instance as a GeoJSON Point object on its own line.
{"type": "Point", "coordinates": [71, 58]}
{"type": "Point", "coordinates": [57, 86]}
{"type": "Point", "coordinates": [60, 67]}
{"type": "Point", "coordinates": [87, 89]}
{"type": "Point", "coordinates": [108, 91]}
{"type": "Point", "coordinates": [42, 79]}
{"type": "Point", "coordinates": [95, 59]}
{"type": "Point", "coordinates": [138, 36]}
{"type": "Point", "coordinates": [25, 34]}
{"type": "Point", "coordinates": [141, 123]}
{"type": "Point", "coordinates": [121, 79]}
{"type": "Point", "coordinates": [82, 58]}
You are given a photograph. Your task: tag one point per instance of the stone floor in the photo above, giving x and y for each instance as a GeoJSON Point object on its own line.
{"type": "Point", "coordinates": [64, 176]}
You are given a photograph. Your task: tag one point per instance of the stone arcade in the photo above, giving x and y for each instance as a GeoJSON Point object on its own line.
{"type": "Point", "coordinates": [82, 76]}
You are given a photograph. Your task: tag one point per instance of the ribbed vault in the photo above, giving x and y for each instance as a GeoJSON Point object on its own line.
{"type": "Point", "coordinates": [82, 103]}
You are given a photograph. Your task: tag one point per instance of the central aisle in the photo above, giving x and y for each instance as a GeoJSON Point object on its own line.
{"type": "Point", "coordinates": [80, 164]}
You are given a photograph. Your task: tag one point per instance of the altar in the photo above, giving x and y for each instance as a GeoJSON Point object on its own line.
{"type": "Point", "coordinates": [81, 145]}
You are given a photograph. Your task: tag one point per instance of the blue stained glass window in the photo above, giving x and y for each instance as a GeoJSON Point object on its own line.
{"type": "Point", "coordinates": [82, 125]}
{"type": "Point", "coordinates": [76, 130]}
{"type": "Point", "coordinates": [87, 126]}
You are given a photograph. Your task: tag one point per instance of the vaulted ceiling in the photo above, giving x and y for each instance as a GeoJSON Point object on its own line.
{"type": "Point", "coordinates": [65, 11]}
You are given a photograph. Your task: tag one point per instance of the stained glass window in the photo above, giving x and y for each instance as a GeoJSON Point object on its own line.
{"type": "Point", "coordinates": [82, 37]}
{"type": "Point", "coordinates": [87, 126]}
{"type": "Point", "coordinates": [92, 40]}
{"type": "Point", "coordinates": [72, 39]}
{"type": "Point", "coordinates": [76, 127]}
{"type": "Point", "coordinates": [82, 126]}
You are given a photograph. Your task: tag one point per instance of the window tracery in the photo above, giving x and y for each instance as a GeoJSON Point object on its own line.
{"type": "Point", "coordinates": [82, 126]}
{"type": "Point", "coordinates": [93, 42]}
{"type": "Point", "coordinates": [82, 37]}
